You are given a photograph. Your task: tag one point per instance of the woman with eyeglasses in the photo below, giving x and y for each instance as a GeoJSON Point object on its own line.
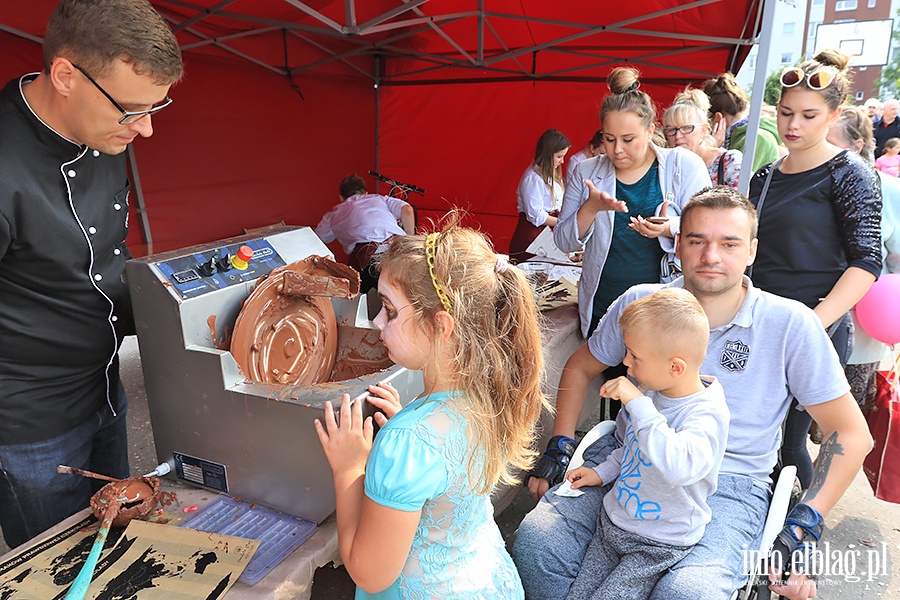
{"type": "Point", "coordinates": [729, 107]}
{"type": "Point", "coordinates": [819, 219]}
{"type": "Point", "coordinates": [623, 205]}
{"type": "Point", "coordinates": [539, 193]}
{"type": "Point", "coordinates": [685, 126]}
{"type": "Point", "coordinates": [853, 130]}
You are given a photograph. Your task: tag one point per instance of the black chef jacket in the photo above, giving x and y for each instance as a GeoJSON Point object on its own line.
{"type": "Point", "coordinates": [64, 304]}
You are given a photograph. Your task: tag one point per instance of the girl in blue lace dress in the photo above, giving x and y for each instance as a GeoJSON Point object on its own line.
{"type": "Point", "coordinates": [414, 512]}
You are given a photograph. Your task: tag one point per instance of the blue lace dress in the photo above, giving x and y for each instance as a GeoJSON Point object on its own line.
{"type": "Point", "coordinates": [418, 462]}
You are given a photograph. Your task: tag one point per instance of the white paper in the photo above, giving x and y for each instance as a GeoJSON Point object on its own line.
{"type": "Point", "coordinates": [565, 490]}
{"type": "Point", "coordinates": [543, 245]}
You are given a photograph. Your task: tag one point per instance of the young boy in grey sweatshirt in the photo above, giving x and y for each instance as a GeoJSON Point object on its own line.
{"type": "Point", "coordinates": [673, 435]}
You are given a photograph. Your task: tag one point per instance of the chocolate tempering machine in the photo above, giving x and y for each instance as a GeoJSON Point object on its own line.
{"type": "Point", "coordinates": [223, 431]}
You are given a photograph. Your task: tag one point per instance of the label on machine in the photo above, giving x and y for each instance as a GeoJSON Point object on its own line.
{"type": "Point", "coordinates": [202, 272]}
{"type": "Point", "coordinates": [202, 472]}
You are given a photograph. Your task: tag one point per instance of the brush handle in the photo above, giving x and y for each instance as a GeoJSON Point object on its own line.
{"type": "Point", "coordinates": [83, 473]}
{"type": "Point", "coordinates": [79, 587]}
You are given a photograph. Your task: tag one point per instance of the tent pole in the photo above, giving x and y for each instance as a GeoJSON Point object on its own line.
{"type": "Point", "coordinates": [139, 206]}
{"type": "Point", "coordinates": [377, 69]}
{"type": "Point", "coordinates": [759, 90]}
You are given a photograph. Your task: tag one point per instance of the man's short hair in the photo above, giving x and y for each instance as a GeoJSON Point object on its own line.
{"type": "Point", "coordinates": [96, 33]}
{"type": "Point", "coordinates": [352, 185]}
{"type": "Point", "coordinates": [721, 197]}
{"type": "Point", "coordinates": [674, 317]}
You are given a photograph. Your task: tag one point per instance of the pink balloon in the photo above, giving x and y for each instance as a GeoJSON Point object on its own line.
{"type": "Point", "coordinates": [879, 310]}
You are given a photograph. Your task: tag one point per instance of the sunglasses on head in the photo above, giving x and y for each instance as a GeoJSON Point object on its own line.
{"type": "Point", "coordinates": [818, 80]}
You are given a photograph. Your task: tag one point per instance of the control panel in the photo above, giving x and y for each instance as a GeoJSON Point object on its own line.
{"type": "Point", "coordinates": [202, 272]}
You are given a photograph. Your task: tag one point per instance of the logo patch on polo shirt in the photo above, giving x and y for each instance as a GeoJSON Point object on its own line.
{"type": "Point", "coordinates": [735, 355]}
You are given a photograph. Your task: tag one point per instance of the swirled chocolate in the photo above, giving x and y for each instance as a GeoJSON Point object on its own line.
{"type": "Point", "coordinates": [286, 332]}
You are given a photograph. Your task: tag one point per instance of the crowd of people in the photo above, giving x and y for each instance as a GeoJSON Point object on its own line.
{"type": "Point", "coordinates": [722, 327]}
{"type": "Point", "coordinates": [715, 319]}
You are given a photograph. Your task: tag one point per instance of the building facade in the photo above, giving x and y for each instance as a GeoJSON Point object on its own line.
{"type": "Point", "coordinates": [794, 37]}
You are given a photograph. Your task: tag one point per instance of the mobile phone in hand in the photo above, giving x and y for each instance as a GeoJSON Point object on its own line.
{"type": "Point", "coordinates": [657, 220]}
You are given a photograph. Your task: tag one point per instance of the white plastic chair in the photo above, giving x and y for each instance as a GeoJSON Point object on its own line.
{"type": "Point", "coordinates": [597, 431]}
{"type": "Point", "coordinates": [778, 509]}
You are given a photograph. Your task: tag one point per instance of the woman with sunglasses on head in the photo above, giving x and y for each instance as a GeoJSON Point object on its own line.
{"type": "Point", "coordinates": [819, 219]}
{"type": "Point", "coordinates": [539, 193]}
{"type": "Point", "coordinates": [685, 126]}
{"type": "Point", "coordinates": [610, 197]}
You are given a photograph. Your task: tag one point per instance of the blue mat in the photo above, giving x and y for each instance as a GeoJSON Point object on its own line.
{"type": "Point", "coordinates": [278, 534]}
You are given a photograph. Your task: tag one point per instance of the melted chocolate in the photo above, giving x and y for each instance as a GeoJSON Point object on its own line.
{"type": "Point", "coordinates": [286, 332]}
{"type": "Point", "coordinates": [128, 499]}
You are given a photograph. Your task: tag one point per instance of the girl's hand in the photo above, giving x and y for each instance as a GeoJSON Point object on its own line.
{"type": "Point", "coordinates": [347, 444]}
{"type": "Point", "coordinates": [583, 477]}
{"type": "Point", "coordinates": [620, 388]}
{"type": "Point", "coordinates": [386, 399]}
{"type": "Point", "coordinates": [601, 200]}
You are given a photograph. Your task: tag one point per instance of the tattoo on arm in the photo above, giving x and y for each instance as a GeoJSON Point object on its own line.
{"type": "Point", "coordinates": [830, 448]}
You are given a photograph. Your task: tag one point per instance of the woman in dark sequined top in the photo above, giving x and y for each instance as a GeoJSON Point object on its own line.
{"type": "Point", "coordinates": [819, 218]}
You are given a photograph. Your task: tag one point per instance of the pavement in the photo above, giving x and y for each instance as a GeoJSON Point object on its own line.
{"type": "Point", "coordinates": [863, 533]}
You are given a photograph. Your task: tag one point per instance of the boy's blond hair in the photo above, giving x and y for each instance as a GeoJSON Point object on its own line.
{"type": "Point", "coordinates": [674, 318]}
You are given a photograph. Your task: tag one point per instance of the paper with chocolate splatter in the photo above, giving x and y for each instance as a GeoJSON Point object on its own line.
{"type": "Point", "coordinates": [171, 562]}
{"type": "Point", "coordinates": [558, 293]}
{"type": "Point", "coordinates": [150, 561]}
{"type": "Point", "coordinates": [48, 567]}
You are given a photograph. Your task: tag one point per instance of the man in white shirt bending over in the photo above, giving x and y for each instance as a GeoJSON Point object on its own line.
{"type": "Point", "coordinates": [364, 223]}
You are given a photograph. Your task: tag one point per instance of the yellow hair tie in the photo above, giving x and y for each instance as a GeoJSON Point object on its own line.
{"type": "Point", "coordinates": [430, 247]}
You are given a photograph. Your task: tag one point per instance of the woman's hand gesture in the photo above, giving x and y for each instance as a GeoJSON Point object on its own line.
{"type": "Point", "coordinates": [601, 200]}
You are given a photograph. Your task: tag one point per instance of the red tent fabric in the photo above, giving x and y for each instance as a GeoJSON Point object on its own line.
{"type": "Point", "coordinates": [284, 98]}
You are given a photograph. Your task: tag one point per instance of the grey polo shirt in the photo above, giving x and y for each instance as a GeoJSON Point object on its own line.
{"type": "Point", "coordinates": [773, 349]}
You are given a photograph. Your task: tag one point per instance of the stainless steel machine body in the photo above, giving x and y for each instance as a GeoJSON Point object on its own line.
{"type": "Point", "coordinates": [256, 441]}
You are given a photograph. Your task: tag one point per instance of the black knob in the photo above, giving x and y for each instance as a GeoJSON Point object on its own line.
{"type": "Point", "coordinates": [209, 267]}
{"type": "Point", "coordinates": [224, 263]}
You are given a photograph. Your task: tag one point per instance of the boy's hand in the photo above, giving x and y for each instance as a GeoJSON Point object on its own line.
{"type": "Point", "coordinates": [583, 477]}
{"type": "Point", "coordinates": [386, 399]}
{"type": "Point", "coordinates": [622, 389]}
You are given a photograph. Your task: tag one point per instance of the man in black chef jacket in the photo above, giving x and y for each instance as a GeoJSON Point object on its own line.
{"type": "Point", "coordinates": [108, 66]}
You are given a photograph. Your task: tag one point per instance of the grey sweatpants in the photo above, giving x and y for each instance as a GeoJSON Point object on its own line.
{"type": "Point", "coordinates": [621, 564]}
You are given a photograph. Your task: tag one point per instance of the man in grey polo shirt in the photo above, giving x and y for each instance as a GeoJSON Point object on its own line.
{"type": "Point", "coordinates": [764, 349]}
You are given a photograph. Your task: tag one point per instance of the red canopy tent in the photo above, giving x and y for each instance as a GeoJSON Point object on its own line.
{"type": "Point", "coordinates": [283, 98]}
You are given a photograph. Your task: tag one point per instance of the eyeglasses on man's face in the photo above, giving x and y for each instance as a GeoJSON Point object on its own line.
{"type": "Point", "coordinates": [128, 116]}
{"type": "Point", "coordinates": [684, 129]}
